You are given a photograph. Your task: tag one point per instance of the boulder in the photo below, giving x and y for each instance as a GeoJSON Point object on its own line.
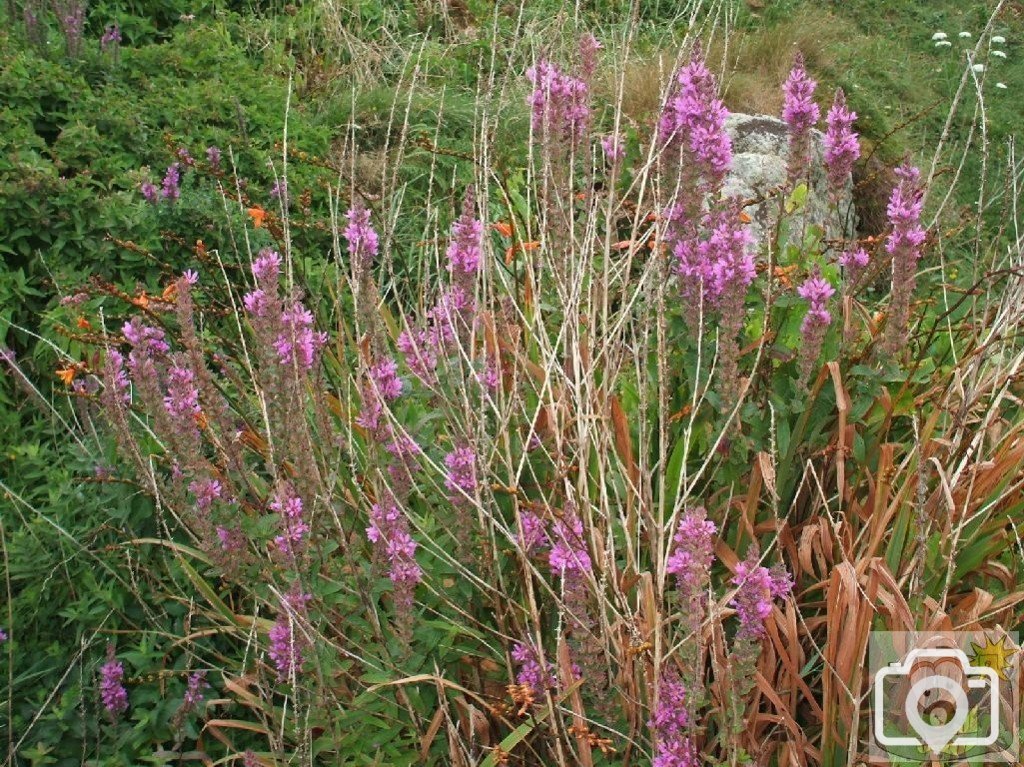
{"type": "Point", "coordinates": [760, 146]}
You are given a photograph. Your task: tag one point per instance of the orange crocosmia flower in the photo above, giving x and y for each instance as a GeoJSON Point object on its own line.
{"type": "Point", "coordinates": [745, 217]}
{"type": "Point", "coordinates": [200, 248]}
{"type": "Point", "coordinates": [141, 300]}
{"type": "Point", "coordinates": [504, 228]}
{"type": "Point", "coordinates": [511, 252]}
{"type": "Point", "coordinates": [622, 244]}
{"type": "Point", "coordinates": [258, 216]}
{"type": "Point", "coordinates": [83, 323]}
{"type": "Point", "coordinates": [67, 375]}
{"type": "Point", "coordinates": [170, 292]}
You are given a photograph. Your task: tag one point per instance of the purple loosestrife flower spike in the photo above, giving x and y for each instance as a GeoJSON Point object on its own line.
{"type": "Point", "coordinates": [194, 692]}
{"type": "Point", "coordinates": [854, 262]}
{"type": "Point", "coordinates": [111, 37]}
{"type": "Point", "coordinates": [467, 233]}
{"type": "Point", "coordinates": [149, 192]}
{"type": "Point", "coordinates": [3, 635]}
{"type": "Point", "coordinates": [206, 492]}
{"type": "Point", "coordinates": [267, 267]}
{"type": "Point", "coordinates": [383, 384]}
{"type": "Point", "coordinates": [691, 559]}
{"type": "Point", "coordinates": [669, 723]}
{"type": "Point", "coordinates": [568, 547]}
{"type": "Point", "coordinates": [298, 344]}
{"type": "Point", "coordinates": [146, 337]}
{"type": "Point", "coordinates": [112, 692]}
{"type": "Point", "coordinates": [213, 156]}
{"type": "Point", "coordinates": [182, 400]}
{"type": "Point", "coordinates": [757, 586]}
{"type": "Point", "coordinates": [287, 643]}
{"type": "Point", "coordinates": [841, 147]}
{"type": "Point", "coordinates": [535, 532]}
{"type": "Point", "coordinates": [694, 120]}
{"type": "Point", "coordinates": [461, 477]}
{"type": "Point", "coordinates": [817, 291]}
{"type": "Point", "coordinates": [905, 245]}
{"type": "Point", "coordinates": [294, 530]}
{"type": "Point", "coordinates": [171, 189]}
{"type": "Point", "coordinates": [530, 672]}
{"type": "Point", "coordinates": [614, 148]}
{"type": "Point", "coordinates": [363, 242]}
{"type": "Point", "coordinates": [589, 47]}
{"type": "Point", "coordinates": [559, 102]}
{"type": "Point", "coordinates": [801, 114]}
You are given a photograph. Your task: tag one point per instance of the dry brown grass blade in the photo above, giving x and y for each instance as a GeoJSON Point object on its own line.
{"type": "Point", "coordinates": [879, 505]}
{"type": "Point", "coordinates": [843, 405]}
{"type": "Point", "coordinates": [579, 722]}
{"type": "Point", "coordinates": [431, 732]}
{"type": "Point", "coordinates": [624, 443]}
{"type": "Point", "coordinates": [849, 616]}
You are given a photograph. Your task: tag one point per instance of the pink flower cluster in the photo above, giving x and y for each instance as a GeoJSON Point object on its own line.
{"type": "Point", "coordinates": [669, 722]}
{"type": "Point", "coordinates": [757, 586]}
{"type": "Point", "coordinates": [798, 108]}
{"type": "Point", "coordinates": [694, 118]}
{"type": "Point", "coordinates": [389, 532]}
{"type": "Point", "coordinates": [115, 376]}
{"type": "Point", "coordinates": [291, 326]}
{"type": "Point", "coordinates": [569, 555]}
{"type": "Point", "coordinates": [614, 147]}
{"type": "Point", "coordinates": [840, 143]}
{"type": "Point", "coordinates": [423, 348]}
{"type": "Point", "coordinates": [206, 492]}
{"type": "Point", "coordinates": [287, 645]}
{"type": "Point", "coordinates": [904, 212]}
{"type": "Point", "coordinates": [383, 384]}
{"type": "Point", "coordinates": [182, 400]}
{"type": "Point", "coordinates": [294, 529]}
{"type": "Point", "coordinates": [467, 234]}
{"type": "Point", "coordinates": [298, 344]}
{"type": "Point", "coordinates": [816, 290]}
{"type": "Point", "coordinates": [691, 559]}
{"type": "Point", "coordinates": [535, 532]}
{"type": "Point", "coordinates": [145, 337]}
{"type": "Point", "coordinates": [194, 690]}
{"type": "Point", "coordinates": [531, 673]}
{"type": "Point", "coordinates": [560, 103]}
{"type": "Point", "coordinates": [461, 476]}
{"type": "Point", "coordinates": [801, 114]}
{"type": "Point", "coordinates": [716, 261]}
{"type": "Point", "coordinates": [363, 242]}
{"type": "Point", "coordinates": [112, 691]}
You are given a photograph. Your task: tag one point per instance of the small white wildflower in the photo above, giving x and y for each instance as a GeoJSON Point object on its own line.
{"type": "Point", "coordinates": [999, 54]}
{"type": "Point", "coordinates": [998, 39]}
{"type": "Point", "coordinates": [965, 34]}
{"type": "Point", "coordinates": [1001, 86]}
{"type": "Point", "coordinates": [978, 67]}
{"type": "Point", "coordinates": [943, 44]}
{"type": "Point", "coordinates": [941, 36]}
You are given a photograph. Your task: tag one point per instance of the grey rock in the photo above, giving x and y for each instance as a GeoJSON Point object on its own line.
{"type": "Point", "coordinates": [760, 146]}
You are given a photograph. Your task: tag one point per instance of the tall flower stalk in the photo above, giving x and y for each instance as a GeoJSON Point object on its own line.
{"type": "Point", "coordinates": [905, 245]}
